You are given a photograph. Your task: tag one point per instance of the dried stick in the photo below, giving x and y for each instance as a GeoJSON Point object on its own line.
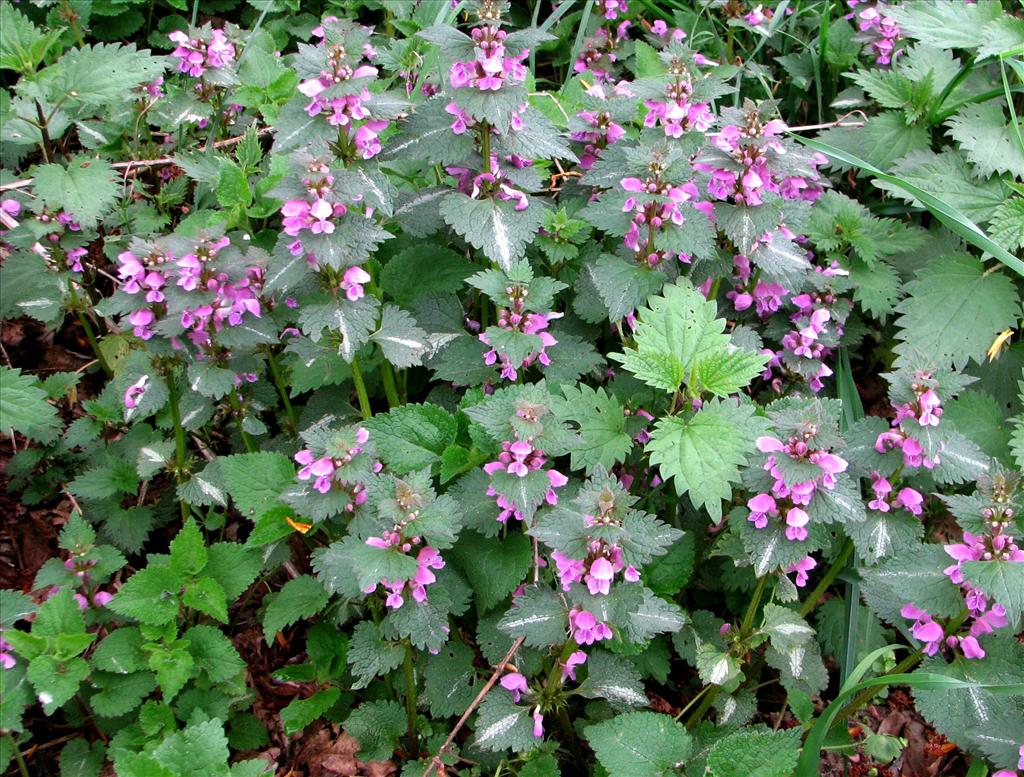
{"type": "Point", "coordinates": [135, 163]}
{"type": "Point", "coordinates": [435, 762]}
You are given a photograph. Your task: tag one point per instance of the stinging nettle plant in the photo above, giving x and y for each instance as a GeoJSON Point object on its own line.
{"type": "Point", "coordinates": [482, 387]}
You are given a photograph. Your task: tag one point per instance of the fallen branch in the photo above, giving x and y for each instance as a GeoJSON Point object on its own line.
{"type": "Point", "coordinates": [138, 163]}
{"type": "Point", "coordinates": [435, 762]}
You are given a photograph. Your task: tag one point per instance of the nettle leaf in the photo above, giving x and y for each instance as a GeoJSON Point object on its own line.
{"type": "Point", "coordinates": [449, 680]}
{"type": "Point", "coordinates": [703, 452]}
{"type": "Point", "coordinates": [622, 286]}
{"type": "Point", "coordinates": [24, 407]}
{"type": "Point", "coordinates": [947, 25]}
{"type": "Point", "coordinates": [640, 744]}
{"type": "Point", "coordinates": [403, 342]}
{"type": "Point", "coordinates": [494, 568]}
{"type": "Point", "coordinates": [1007, 226]}
{"type": "Point", "coordinates": [603, 439]}
{"type": "Point", "coordinates": [785, 628]}
{"type": "Point", "coordinates": [370, 656]}
{"type": "Point", "coordinates": [885, 138]}
{"type": "Point", "coordinates": [301, 712]}
{"type": "Point", "coordinates": [502, 725]}
{"type": "Point", "coordinates": [915, 577]}
{"type": "Point", "coordinates": [376, 726]}
{"type": "Point", "coordinates": [883, 535]}
{"type": "Point", "coordinates": [539, 615]}
{"type": "Point", "coordinates": [423, 269]}
{"type": "Point", "coordinates": [745, 225]}
{"type": "Point", "coordinates": [22, 45]}
{"type": "Point", "coordinates": [494, 226]}
{"type": "Point", "coordinates": [352, 321]}
{"type": "Point", "coordinates": [86, 188]}
{"type": "Point", "coordinates": [352, 557]}
{"type": "Point", "coordinates": [257, 480]}
{"type": "Point", "coordinates": [985, 137]}
{"type": "Point", "coordinates": [412, 437]}
{"type": "Point", "coordinates": [103, 73]}
{"type": "Point", "coordinates": [302, 597]}
{"type": "Point", "coordinates": [953, 311]}
{"type": "Point", "coordinates": [150, 596]}
{"type": "Point", "coordinates": [652, 616]}
{"type": "Point", "coordinates": [956, 711]}
{"type": "Point", "coordinates": [615, 679]}
{"type": "Point", "coordinates": [679, 339]}
{"type": "Point", "coordinates": [1002, 582]}
{"type": "Point", "coordinates": [755, 753]}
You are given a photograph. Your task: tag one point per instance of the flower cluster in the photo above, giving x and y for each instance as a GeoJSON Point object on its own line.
{"type": "Point", "coordinates": [224, 301]}
{"type": "Point", "coordinates": [598, 54]}
{"type": "Point", "coordinates": [765, 297]}
{"type": "Point", "coordinates": [879, 30]}
{"type": "Point", "coordinates": [427, 559]}
{"type": "Point", "coordinates": [675, 113]}
{"type": "Point", "coordinates": [585, 628]}
{"type": "Point", "coordinates": [596, 130]}
{"type": "Point", "coordinates": [492, 66]}
{"type": "Point", "coordinates": [884, 500]}
{"type": "Point", "coordinates": [493, 183]}
{"type": "Point", "coordinates": [515, 318]}
{"type": "Point", "coordinates": [995, 543]}
{"type": "Point", "coordinates": [197, 55]}
{"type": "Point", "coordinates": [926, 410]}
{"type": "Point", "coordinates": [317, 213]}
{"type": "Point", "coordinates": [784, 500]}
{"type": "Point", "coordinates": [326, 470]}
{"type": "Point", "coordinates": [655, 205]}
{"type": "Point", "coordinates": [520, 458]}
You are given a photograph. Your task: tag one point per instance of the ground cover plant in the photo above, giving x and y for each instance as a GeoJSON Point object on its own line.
{"type": "Point", "coordinates": [625, 388]}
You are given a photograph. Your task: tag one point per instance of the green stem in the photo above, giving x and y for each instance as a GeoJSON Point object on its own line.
{"type": "Point", "coordinates": [410, 702]}
{"type": "Point", "coordinates": [364, 399]}
{"type": "Point", "coordinates": [275, 373]}
{"type": "Point", "coordinates": [868, 693]}
{"type": "Point", "coordinates": [698, 714]}
{"type": "Point", "coordinates": [236, 407]}
{"type": "Point", "coordinates": [44, 134]}
{"type": "Point", "coordinates": [180, 450]}
{"type": "Point", "coordinates": [833, 572]}
{"type": "Point", "coordinates": [90, 333]}
{"type": "Point", "coordinates": [485, 145]}
{"type": "Point", "coordinates": [387, 376]}
{"type": "Point", "coordinates": [755, 600]}
{"type": "Point", "coordinates": [933, 117]}
{"type": "Point", "coordinates": [22, 766]}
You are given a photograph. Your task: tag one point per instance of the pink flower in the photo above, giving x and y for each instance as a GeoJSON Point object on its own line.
{"type": "Point", "coordinates": [135, 392]}
{"type": "Point", "coordinates": [802, 568]}
{"type": "Point", "coordinates": [586, 629]}
{"type": "Point", "coordinates": [538, 723]}
{"type": "Point", "coordinates": [599, 579]}
{"type": "Point", "coordinates": [10, 207]}
{"type": "Point", "coordinates": [576, 658]}
{"type": "Point", "coordinates": [910, 500]}
{"type": "Point", "coordinates": [352, 282]}
{"type": "Point", "coordinates": [515, 684]}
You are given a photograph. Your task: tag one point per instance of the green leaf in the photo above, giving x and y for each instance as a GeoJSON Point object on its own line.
{"type": "Point", "coordinates": [376, 725]}
{"type": "Point", "coordinates": [424, 269]}
{"type": "Point", "coordinates": [949, 177]}
{"type": "Point", "coordinates": [539, 616]}
{"type": "Point", "coordinates": [755, 753]}
{"type": "Point", "coordinates": [502, 725]}
{"type": "Point", "coordinates": [102, 74]}
{"type": "Point", "coordinates": [119, 694]}
{"type": "Point", "coordinates": [622, 286]}
{"type": "Point", "coordinates": [233, 186]}
{"type": "Point", "coordinates": [915, 577]}
{"type": "Point", "coordinates": [412, 437]}
{"type": "Point", "coordinates": [302, 597]}
{"type": "Point", "coordinates": [200, 748]}
{"type": "Point", "coordinates": [1002, 582]}
{"type": "Point", "coordinates": [785, 628]}
{"type": "Point", "coordinates": [22, 46]}
{"type": "Point", "coordinates": [653, 615]}
{"type": "Point", "coordinates": [256, 480]}
{"type": "Point", "coordinates": [449, 680]}
{"type": "Point", "coordinates": [679, 339]}
{"type": "Point", "coordinates": [206, 595]}
{"type": "Point", "coordinates": [402, 341]}
{"type": "Point", "coordinates": [982, 131]}
{"type": "Point", "coordinates": [1007, 227]}
{"type": "Point", "coordinates": [369, 565]}
{"type": "Point", "coordinates": [24, 407]}
{"type": "Point", "coordinates": [188, 550]}
{"type": "Point", "coordinates": [603, 439]}
{"type": "Point", "coordinates": [369, 655]}
{"type": "Point", "coordinates": [301, 712]}
{"type": "Point", "coordinates": [150, 596]}
{"type": "Point", "coordinates": [946, 25]}
{"type": "Point", "coordinates": [56, 681]}
{"type": "Point", "coordinates": [353, 321]}
{"type": "Point", "coordinates": [953, 311]}
{"type": "Point", "coordinates": [703, 452]}
{"type": "Point", "coordinates": [979, 417]}
{"type": "Point", "coordinates": [494, 568]}
{"type": "Point", "coordinates": [640, 744]}
{"type": "Point", "coordinates": [493, 226]}
{"type": "Point", "coordinates": [232, 565]}
{"type": "Point", "coordinates": [80, 759]}
{"type": "Point", "coordinates": [885, 138]}
{"type": "Point", "coordinates": [173, 665]}
{"type": "Point", "coordinates": [615, 679]}
{"type": "Point", "coordinates": [213, 653]}
{"type": "Point", "coordinates": [86, 188]}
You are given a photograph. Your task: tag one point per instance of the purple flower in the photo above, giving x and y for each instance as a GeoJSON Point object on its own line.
{"type": "Point", "coordinates": [515, 684]}
{"type": "Point", "coordinates": [352, 282]}
{"type": "Point", "coordinates": [802, 568]}
{"type": "Point", "coordinates": [134, 392]}
{"type": "Point", "coordinates": [576, 658]}
{"type": "Point", "coordinates": [585, 628]}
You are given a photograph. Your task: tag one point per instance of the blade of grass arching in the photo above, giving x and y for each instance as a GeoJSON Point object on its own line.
{"type": "Point", "coordinates": [547, 25]}
{"type": "Point", "coordinates": [952, 218]}
{"type": "Point", "coordinates": [581, 33]}
{"type": "Point", "coordinates": [807, 766]}
{"type": "Point", "coordinates": [819, 59]}
{"type": "Point", "coordinates": [853, 411]}
{"type": "Point", "coordinates": [1014, 121]}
